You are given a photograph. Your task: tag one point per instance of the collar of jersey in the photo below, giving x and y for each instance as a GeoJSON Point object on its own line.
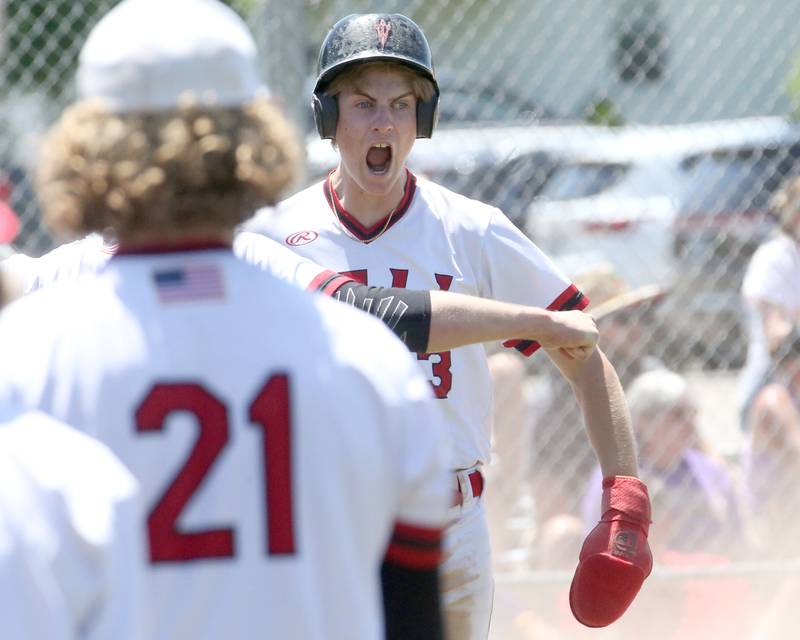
{"type": "Point", "coordinates": [367, 234]}
{"type": "Point", "coordinates": [149, 249]}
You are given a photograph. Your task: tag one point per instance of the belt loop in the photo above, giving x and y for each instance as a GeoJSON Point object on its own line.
{"type": "Point", "coordinates": [464, 489]}
{"type": "Point", "coordinates": [469, 487]}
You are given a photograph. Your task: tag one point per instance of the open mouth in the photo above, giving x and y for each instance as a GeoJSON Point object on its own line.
{"type": "Point", "coordinates": [379, 158]}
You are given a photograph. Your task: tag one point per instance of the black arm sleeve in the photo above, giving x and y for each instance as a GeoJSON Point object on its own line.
{"type": "Point", "coordinates": [411, 603]}
{"type": "Point", "coordinates": [407, 312]}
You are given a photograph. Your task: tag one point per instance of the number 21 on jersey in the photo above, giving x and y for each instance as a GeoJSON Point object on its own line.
{"type": "Point", "coordinates": [269, 413]}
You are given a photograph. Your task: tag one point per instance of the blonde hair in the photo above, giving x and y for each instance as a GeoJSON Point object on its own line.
{"type": "Point", "coordinates": [163, 170]}
{"type": "Point", "coordinates": [421, 87]}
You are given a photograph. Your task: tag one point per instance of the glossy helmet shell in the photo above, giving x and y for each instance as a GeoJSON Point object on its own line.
{"type": "Point", "coordinates": [371, 37]}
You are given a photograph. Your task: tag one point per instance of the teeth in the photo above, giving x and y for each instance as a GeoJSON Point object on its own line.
{"type": "Point", "coordinates": [381, 145]}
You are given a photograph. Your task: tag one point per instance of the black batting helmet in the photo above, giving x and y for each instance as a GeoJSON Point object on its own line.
{"type": "Point", "coordinates": [371, 37]}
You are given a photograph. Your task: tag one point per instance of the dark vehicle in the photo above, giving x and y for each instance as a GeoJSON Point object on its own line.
{"type": "Point", "coordinates": [724, 217]}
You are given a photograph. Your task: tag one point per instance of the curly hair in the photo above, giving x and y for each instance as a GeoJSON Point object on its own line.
{"type": "Point", "coordinates": [164, 170]}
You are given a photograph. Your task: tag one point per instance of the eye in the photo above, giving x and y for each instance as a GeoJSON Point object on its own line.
{"type": "Point", "coordinates": [401, 104]}
{"type": "Point", "coordinates": [363, 104]}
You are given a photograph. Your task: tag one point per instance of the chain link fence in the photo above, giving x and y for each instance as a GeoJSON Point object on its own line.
{"type": "Point", "coordinates": [640, 143]}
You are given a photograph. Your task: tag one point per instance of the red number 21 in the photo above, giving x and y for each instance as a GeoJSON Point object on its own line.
{"type": "Point", "coordinates": [269, 411]}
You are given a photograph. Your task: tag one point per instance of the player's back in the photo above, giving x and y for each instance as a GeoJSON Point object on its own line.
{"type": "Point", "coordinates": [71, 564]}
{"type": "Point", "coordinates": [273, 448]}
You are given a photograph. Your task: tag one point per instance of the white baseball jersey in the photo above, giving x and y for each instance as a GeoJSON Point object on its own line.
{"type": "Point", "coordinates": [90, 253]}
{"type": "Point", "coordinates": [435, 239]}
{"type": "Point", "coordinates": [71, 557]}
{"type": "Point", "coordinates": [279, 438]}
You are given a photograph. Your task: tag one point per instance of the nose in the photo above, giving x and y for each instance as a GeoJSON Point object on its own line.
{"type": "Point", "coordinates": [383, 121]}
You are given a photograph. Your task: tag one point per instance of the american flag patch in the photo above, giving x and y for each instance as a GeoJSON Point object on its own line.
{"type": "Point", "coordinates": [189, 282]}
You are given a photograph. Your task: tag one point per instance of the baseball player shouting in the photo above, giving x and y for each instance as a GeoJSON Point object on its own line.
{"type": "Point", "coordinates": [291, 476]}
{"type": "Point", "coordinates": [372, 219]}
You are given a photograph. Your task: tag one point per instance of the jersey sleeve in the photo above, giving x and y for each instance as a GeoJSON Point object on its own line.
{"type": "Point", "coordinates": [517, 271]}
{"type": "Point", "coordinates": [406, 312]}
{"type": "Point", "coordinates": [22, 271]}
{"type": "Point", "coordinates": [284, 263]}
{"type": "Point", "coordinates": [66, 262]}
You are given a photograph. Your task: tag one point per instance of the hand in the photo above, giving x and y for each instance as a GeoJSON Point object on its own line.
{"type": "Point", "coordinates": [574, 333]}
{"type": "Point", "coordinates": [615, 558]}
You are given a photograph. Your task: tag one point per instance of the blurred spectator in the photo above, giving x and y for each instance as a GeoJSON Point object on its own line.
{"type": "Point", "coordinates": [706, 602]}
{"type": "Point", "coordinates": [705, 514]}
{"type": "Point", "coordinates": [625, 318]}
{"type": "Point", "coordinates": [772, 459]}
{"type": "Point", "coordinates": [771, 291]}
{"type": "Point", "coordinates": [559, 542]}
{"type": "Point", "coordinates": [563, 458]}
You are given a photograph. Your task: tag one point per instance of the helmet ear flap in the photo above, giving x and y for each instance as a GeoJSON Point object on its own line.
{"type": "Point", "coordinates": [326, 114]}
{"type": "Point", "coordinates": [427, 115]}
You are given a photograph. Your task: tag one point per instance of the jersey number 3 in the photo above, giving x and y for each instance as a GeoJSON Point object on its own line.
{"type": "Point", "coordinates": [269, 412]}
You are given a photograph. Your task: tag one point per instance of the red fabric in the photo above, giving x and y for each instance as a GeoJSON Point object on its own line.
{"type": "Point", "coordinates": [415, 547]}
{"type": "Point", "coordinates": [475, 481]}
{"type": "Point", "coordinates": [328, 282]}
{"type": "Point", "coordinates": [9, 223]}
{"type": "Point", "coordinates": [615, 558]}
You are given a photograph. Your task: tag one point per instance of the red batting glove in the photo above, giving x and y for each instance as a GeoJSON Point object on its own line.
{"type": "Point", "coordinates": [615, 558]}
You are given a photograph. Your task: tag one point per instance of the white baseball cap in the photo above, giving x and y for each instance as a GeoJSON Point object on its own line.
{"type": "Point", "coordinates": [150, 55]}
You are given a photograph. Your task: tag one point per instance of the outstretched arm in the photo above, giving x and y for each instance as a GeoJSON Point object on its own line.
{"type": "Point", "coordinates": [427, 321]}
{"type": "Point", "coordinates": [432, 321]}
{"type": "Point", "coordinates": [605, 412]}
{"type": "Point", "coordinates": [458, 319]}
{"type": "Point", "coordinates": [615, 558]}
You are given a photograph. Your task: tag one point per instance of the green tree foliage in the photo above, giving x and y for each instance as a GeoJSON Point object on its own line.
{"type": "Point", "coordinates": [793, 87]}
{"type": "Point", "coordinates": [604, 112]}
{"type": "Point", "coordinates": [44, 38]}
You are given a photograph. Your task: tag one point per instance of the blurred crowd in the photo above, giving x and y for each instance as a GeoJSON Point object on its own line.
{"type": "Point", "coordinates": [712, 509]}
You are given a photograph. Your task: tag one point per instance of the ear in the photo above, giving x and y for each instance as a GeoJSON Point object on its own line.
{"type": "Point", "coordinates": [326, 115]}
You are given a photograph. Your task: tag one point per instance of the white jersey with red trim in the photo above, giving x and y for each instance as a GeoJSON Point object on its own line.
{"type": "Point", "coordinates": [71, 560]}
{"type": "Point", "coordinates": [65, 262]}
{"type": "Point", "coordinates": [435, 239]}
{"type": "Point", "coordinates": [90, 253]}
{"type": "Point", "coordinates": [279, 438]}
